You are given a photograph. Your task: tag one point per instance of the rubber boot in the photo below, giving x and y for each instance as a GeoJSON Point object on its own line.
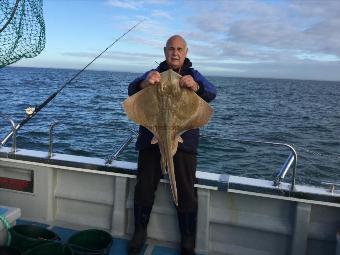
{"type": "Point", "coordinates": [142, 216]}
{"type": "Point", "coordinates": [187, 225]}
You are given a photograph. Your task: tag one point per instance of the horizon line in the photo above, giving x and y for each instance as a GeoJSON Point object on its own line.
{"type": "Point", "coordinates": [215, 75]}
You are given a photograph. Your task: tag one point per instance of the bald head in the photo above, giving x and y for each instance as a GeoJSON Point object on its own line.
{"type": "Point", "coordinates": [176, 37]}
{"type": "Point", "coordinates": [175, 52]}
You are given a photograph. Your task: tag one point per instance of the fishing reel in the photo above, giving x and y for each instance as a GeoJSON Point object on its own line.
{"type": "Point", "coordinates": [30, 110]}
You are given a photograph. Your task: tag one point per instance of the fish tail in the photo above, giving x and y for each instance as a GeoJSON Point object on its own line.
{"type": "Point", "coordinates": [163, 165]}
{"type": "Point", "coordinates": [171, 173]}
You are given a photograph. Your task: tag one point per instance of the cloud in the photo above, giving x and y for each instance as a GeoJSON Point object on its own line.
{"type": "Point", "coordinates": [302, 69]}
{"type": "Point", "coordinates": [114, 60]}
{"type": "Point", "coordinates": [137, 4]}
{"type": "Point", "coordinates": [124, 4]}
{"type": "Point", "coordinates": [161, 14]}
{"type": "Point", "coordinates": [286, 38]}
{"type": "Point", "coordinates": [118, 56]}
{"type": "Point", "coordinates": [254, 29]}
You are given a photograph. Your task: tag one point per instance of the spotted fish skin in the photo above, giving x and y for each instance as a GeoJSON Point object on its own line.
{"type": "Point", "coordinates": [169, 91]}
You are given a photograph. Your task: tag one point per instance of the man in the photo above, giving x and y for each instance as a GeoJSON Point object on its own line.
{"type": "Point", "coordinates": [149, 169]}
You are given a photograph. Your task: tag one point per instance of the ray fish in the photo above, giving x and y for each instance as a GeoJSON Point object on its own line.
{"type": "Point", "coordinates": [168, 110]}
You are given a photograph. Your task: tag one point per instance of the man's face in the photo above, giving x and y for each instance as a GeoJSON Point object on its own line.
{"type": "Point", "coordinates": [175, 53]}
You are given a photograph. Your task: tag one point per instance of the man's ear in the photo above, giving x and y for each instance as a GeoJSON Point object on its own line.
{"type": "Point", "coordinates": [164, 50]}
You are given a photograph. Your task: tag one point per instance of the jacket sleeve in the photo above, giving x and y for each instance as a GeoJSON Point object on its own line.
{"type": "Point", "coordinates": [206, 90]}
{"type": "Point", "coordinates": [134, 85]}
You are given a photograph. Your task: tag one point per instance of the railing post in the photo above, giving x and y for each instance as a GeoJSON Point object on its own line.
{"type": "Point", "coordinates": [294, 167]}
{"type": "Point", "coordinates": [14, 130]}
{"type": "Point", "coordinates": [292, 159]}
{"type": "Point", "coordinates": [50, 141]}
{"type": "Point", "coordinates": [284, 170]}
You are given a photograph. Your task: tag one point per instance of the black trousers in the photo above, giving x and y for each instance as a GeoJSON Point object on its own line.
{"type": "Point", "coordinates": [149, 174]}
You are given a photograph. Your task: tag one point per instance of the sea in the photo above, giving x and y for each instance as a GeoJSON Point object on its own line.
{"type": "Point", "coordinates": [92, 122]}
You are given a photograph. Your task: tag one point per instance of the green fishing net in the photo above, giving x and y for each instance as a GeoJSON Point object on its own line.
{"type": "Point", "coordinates": [22, 30]}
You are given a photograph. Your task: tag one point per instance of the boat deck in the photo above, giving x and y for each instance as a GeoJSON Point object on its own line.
{"type": "Point", "coordinates": [119, 245]}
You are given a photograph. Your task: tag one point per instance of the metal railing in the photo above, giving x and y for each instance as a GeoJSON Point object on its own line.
{"type": "Point", "coordinates": [291, 161]}
{"type": "Point", "coordinates": [50, 140]}
{"type": "Point", "coordinates": [112, 157]}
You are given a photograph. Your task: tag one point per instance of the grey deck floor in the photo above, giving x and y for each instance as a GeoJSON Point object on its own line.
{"type": "Point", "coordinates": [119, 245]}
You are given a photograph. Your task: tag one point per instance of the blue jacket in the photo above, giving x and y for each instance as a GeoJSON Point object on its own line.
{"type": "Point", "coordinates": [207, 91]}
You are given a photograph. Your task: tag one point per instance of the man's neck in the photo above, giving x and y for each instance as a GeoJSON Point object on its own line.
{"type": "Point", "coordinates": [177, 70]}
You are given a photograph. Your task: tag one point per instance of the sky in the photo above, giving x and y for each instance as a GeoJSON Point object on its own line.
{"type": "Point", "coordinates": [295, 39]}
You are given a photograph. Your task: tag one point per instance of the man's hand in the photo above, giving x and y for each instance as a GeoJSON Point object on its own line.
{"type": "Point", "coordinates": [188, 82]}
{"type": "Point", "coordinates": [153, 78]}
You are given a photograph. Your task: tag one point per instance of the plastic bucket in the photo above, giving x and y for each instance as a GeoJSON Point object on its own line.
{"type": "Point", "coordinates": [50, 249]}
{"type": "Point", "coordinates": [26, 237]}
{"type": "Point", "coordinates": [6, 250]}
{"type": "Point", "coordinates": [90, 242]}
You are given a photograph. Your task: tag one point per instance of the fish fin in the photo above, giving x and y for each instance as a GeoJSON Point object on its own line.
{"type": "Point", "coordinates": [154, 140]}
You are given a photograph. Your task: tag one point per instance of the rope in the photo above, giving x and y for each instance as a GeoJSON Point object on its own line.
{"type": "Point", "coordinates": [7, 225]}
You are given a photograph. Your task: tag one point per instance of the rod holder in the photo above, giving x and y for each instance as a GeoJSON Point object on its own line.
{"type": "Point", "coordinates": [50, 140]}
{"type": "Point", "coordinates": [115, 155]}
{"type": "Point", "coordinates": [333, 185]}
{"type": "Point", "coordinates": [14, 131]}
{"type": "Point", "coordinates": [284, 169]}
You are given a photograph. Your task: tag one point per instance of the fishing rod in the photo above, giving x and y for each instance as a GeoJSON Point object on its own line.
{"type": "Point", "coordinates": [32, 111]}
